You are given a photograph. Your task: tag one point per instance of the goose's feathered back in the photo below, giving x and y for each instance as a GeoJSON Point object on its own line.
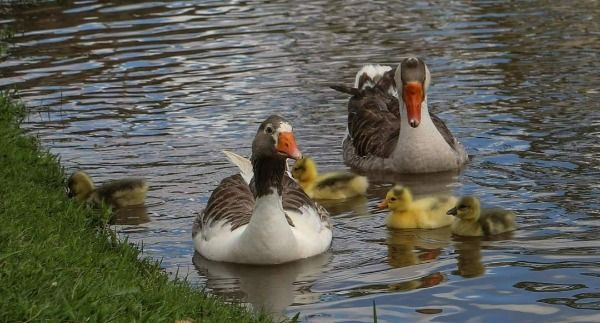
{"type": "Point", "coordinates": [373, 112]}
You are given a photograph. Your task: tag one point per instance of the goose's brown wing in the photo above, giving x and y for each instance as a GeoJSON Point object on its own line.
{"type": "Point", "coordinates": [294, 198]}
{"type": "Point", "coordinates": [372, 127]}
{"type": "Point", "coordinates": [231, 202]}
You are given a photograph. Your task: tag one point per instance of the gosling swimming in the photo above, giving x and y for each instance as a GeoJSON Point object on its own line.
{"type": "Point", "coordinates": [118, 193]}
{"type": "Point", "coordinates": [473, 221]}
{"type": "Point", "coordinates": [424, 213]}
{"type": "Point", "coordinates": [328, 186]}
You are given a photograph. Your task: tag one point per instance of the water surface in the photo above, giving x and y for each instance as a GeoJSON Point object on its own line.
{"type": "Point", "coordinates": [158, 89]}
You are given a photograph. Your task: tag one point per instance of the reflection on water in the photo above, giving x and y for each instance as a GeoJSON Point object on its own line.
{"type": "Point", "coordinates": [270, 288]}
{"type": "Point", "coordinates": [468, 258]}
{"type": "Point", "coordinates": [422, 184]}
{"type": "Point", "coordinates": [132, 215]}
{"type": "Point", "coordinates": [357, 206]}
{"type": "Point", "coordinates": [158, 89]}
{"type": "Point", "coordinates": [415, 246]}
{"type": "Point", "coordinates": [412, 247]}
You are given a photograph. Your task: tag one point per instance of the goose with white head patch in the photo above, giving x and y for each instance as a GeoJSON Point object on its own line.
{"type": "Point", "coordinates": [263, 217]}
{"type": "Point", "coordinates": [390, 127]}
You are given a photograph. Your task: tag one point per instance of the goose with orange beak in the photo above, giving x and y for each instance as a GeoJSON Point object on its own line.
{"type": "Point", "coordinates": [262, 216]}
{"type": "Point", "coordinates": [390, 127]}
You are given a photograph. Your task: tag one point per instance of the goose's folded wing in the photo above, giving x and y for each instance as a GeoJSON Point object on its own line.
{"type": "Point", "coordinates": [230, 203]}
{"type": "Point", "coordinates": [294, 199]}
{"type": "Point", "coordinates": [374, 132]}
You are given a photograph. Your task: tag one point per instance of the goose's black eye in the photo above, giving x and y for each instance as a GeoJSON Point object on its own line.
{"type": "Point", "coordinates": [269, 130]}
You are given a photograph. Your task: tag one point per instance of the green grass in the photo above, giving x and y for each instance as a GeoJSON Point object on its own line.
{"type": "Point", "coordinates": [60, 262]}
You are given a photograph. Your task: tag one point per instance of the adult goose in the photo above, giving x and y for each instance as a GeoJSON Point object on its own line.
{"type": "Point", "coordinates": [386, 133]}
{"type": "Point", "coordinates": [262, 216]}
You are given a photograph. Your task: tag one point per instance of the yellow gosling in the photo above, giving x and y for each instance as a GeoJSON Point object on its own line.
{"type": "Point", "coordinates": [424, 213]}
{"type": "Point", "coordinates": [472, 220]}
{"type": "Point", "coordinates": [329, 186]}
{"type": "Point", "coordinates": [117, 193]}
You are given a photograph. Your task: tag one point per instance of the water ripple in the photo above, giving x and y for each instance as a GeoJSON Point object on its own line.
{"type": "Point", "coordinates": [158, 89]}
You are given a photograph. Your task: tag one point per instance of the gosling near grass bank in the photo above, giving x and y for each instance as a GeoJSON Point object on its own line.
{"type": "Point", "coordinates": [118, 193]}
{"type": "Point", "coordinates": [328, 186]}
{"type": "Point", "coordinates": [424, 213]}
{"type": "Point", "coordinates": [473, 221]}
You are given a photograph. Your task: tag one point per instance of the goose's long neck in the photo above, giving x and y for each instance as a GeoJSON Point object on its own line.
{"type": "Point", "coordinates": [268, 229]}
{"type": "Point", "coordinates": [268, 176]}
{"type": "Point", "coordinates": [425, 133]}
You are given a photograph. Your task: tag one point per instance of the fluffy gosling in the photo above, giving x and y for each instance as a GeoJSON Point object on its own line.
{"type": "Point", "coordinates": [328, 186]}
{"type": "Point", "coordinates": [424, 213]}
{"type": "Point", "coordinates": [118, 193]}
{"type": "Point", "coordinates": [473, 221]}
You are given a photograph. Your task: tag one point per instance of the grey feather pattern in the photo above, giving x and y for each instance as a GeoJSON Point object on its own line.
{"type": "Point", "coordinates": [339, 180]}
{"type": "Point", "coordinates": [496, 220]}
{"type": "Point", "coordinates": [233, 201]}
{"type": "Point", "coordinates": [125, 184]}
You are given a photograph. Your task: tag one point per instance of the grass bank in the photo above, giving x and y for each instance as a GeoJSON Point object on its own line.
{"type": "Point", "coordinates": [58, 260]}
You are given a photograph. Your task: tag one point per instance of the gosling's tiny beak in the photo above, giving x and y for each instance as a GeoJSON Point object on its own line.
{"type": "Point", "coordinates": [452, 211]}
{"type": "Point", "coordinates": [383, 204]}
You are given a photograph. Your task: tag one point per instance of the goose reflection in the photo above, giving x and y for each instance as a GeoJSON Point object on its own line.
{"type": "Point", "coordinates": [420, 185]}
{"type": "Point", "coordinates": [270, 288]}
{"type": "Point", "coordinates": [416, 246]}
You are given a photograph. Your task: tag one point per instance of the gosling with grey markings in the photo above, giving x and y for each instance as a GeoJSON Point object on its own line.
{"type": "Point", "coordinates": [117, 193]}
{"type": "Point", "coordinates": [473, 221]}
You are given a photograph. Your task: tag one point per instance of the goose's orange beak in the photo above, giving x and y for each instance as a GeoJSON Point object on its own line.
{"type": "Point", "coordinates": [413, 96]}
{"type": "Point", "coordinates": [383, 204]}
{"type": "Point", "coordinates": [286, 145]}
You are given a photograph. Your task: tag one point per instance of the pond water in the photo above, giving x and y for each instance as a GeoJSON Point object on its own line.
{"type": "Point", "coordinates": [158, 89]}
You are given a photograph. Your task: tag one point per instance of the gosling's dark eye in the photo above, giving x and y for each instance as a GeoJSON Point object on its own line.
{"type": "Point", "coordinates": [269, 130]}
{"type": "Point", "coordinates": [392, 199]}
